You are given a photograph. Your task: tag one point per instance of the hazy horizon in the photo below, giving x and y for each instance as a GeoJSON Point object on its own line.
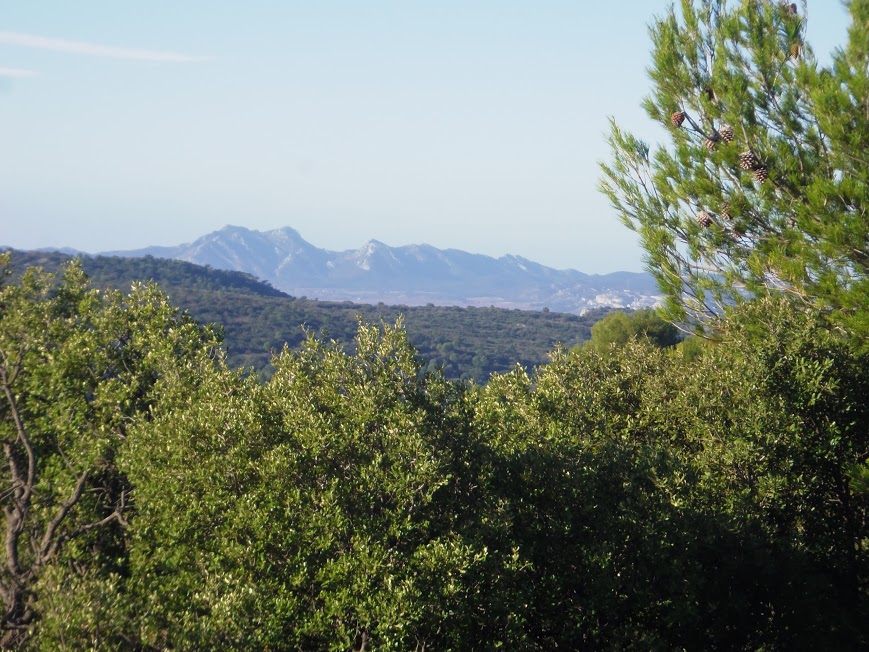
{"type": "Point", "coordinates": [467, 126]}
{"type": "Point", "coordinates": [352, 248]}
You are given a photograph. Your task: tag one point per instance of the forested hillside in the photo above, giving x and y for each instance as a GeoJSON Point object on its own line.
{"type": "Point", "coordinates": [256, 319]}
{"type": "Point", "coordinates": [624, 499]}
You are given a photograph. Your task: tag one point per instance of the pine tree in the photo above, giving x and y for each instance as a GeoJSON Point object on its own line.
{"type": "Point", "coordinates": [793, 169]}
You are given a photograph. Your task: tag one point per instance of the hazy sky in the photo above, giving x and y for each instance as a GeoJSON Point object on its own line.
{"type": "Point", "coordinates": [474, 124]}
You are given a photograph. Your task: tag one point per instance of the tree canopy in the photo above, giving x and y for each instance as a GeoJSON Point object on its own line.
{"type": "Point", "coordinates": [630, 499]}
{"type": "Point", "coordinates": [617, 498]}
{"type": "Point", "coordinates": [77, 367]}
{"type": "Point", "coordinates": [763, 185]}
{"type": "Point", "coordinates": [618, 328]}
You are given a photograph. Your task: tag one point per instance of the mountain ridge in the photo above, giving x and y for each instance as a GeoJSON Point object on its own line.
{"type": "Point", "coordinates": [415, 274]}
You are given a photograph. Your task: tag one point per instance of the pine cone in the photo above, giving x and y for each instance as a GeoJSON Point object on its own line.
{"type": "Point", "coordinates": [704, 219]}
{"type": "Point", "coordinates": [712, 141]}
{"type": "Point", "coordinates": [747, 160]}
{"type": "Point", "coordinates": [726, 133]}
{"type": "Point", "coordinates": [796, 50]}
{"type": "Point", "coordinates": [725, 212]}
{"type": "Point", "coordinates": [761, 173]}
{"type": "Point", "coordinates": [677, 119]}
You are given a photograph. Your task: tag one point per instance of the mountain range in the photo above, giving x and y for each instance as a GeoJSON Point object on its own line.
{"type": "Point", "coordinates": [408, 275]}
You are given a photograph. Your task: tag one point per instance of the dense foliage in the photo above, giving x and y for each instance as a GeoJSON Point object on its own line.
{"type": "Point", "coordinates": [628, 495]}
{"type": "Point", "coordinates": [618, 328]}
{"type": "Point", "coordinates": [77, 366]}
{"type": "Point", "coordinates": [625, 499]}
{"type": "Point", "coordinates": [257, 320]}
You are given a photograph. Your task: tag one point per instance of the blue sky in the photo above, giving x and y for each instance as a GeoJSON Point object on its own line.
{"type": "Point", "coordinates": [473, 124]}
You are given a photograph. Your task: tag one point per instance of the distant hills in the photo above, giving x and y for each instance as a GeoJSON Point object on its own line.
{"type": "Point", "coordinates": [257, 319]}
{"type": "Point", "coordinates": [411, 275]}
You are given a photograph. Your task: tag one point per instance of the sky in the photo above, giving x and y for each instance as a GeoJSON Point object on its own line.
{"type": "Point", "coordinates": [467, 124]}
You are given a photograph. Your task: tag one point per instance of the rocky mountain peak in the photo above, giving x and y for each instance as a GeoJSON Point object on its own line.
{"type": "Point", "coordinates": [412, 274]}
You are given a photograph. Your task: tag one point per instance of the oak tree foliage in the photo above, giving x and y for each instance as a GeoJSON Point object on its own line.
{"type": "Point", "coordinates": [77, 367]}
{"type": "Point", "coordinates": [619, 327]}
{"type": "Point", "coordinates": [623, 497]}
{"type": "Point", "coordinates": [628, 499]}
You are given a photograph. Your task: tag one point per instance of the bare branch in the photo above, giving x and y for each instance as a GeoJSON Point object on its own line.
{"type": "Point", "coordinates": [24, 498]}
{"type": "Point", "coordinates": [17, 483]}
{"type": "Point", "coordinates": [51, 547]}
{"type": "Point", "coordinates": [14, 526]}
{"type": "Point", "coordinates": [49, 541]}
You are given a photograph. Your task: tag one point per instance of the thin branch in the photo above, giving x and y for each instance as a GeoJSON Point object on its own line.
{"type": "Point", "coordinates": [17, 482]}
{"type": "Point", "coordinates": [49, 542]}
{"type": "Point", "coordinates": [22, 436]}
{"type": "Point", "coordinates": [14, 527]}
{"type": "Point", "coordinates": [53, 547]}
